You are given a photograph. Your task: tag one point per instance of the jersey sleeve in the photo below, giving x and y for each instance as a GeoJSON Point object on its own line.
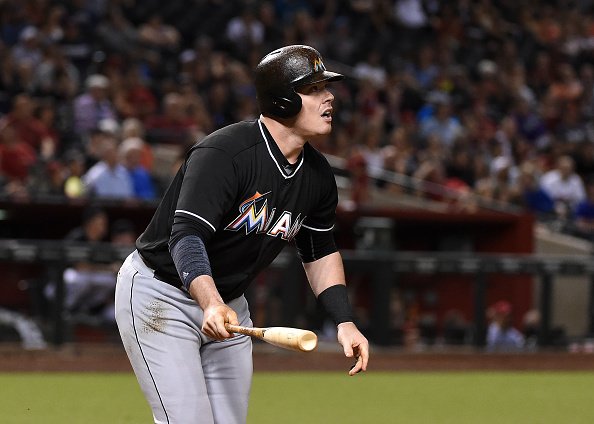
{"type": "Point", "coordinates": [323, 217]}
{"type": "Point", "coordinates": [315, 239]}
{"type": "Point", "coordinates": [208, 189]}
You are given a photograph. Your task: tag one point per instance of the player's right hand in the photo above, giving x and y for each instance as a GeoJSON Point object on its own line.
{"type": "Point", "coordinates": [215, 317]}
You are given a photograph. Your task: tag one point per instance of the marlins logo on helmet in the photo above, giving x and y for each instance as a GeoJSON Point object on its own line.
{"type": "Point", "coordinates": [319, 65]}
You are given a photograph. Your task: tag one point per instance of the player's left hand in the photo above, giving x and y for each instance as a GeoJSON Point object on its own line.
{"type": "Point", "coordinates": [354, 345]}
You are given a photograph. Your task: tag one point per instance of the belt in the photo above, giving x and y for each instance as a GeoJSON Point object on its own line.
{"type": "Point", "coordinates": [175, 283]}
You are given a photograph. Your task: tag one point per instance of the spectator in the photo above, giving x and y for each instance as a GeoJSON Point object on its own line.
{"type": "Point", "coordinates": [46, 113]}
{"type": "Point", "coordinates": [566, 88]}
{"type": "Point", "coordinates": [528, 193]}
{"type": "Point", "coordinates": [583, 217]}
{"type": "Point", "coordinates": [501, 335]}
{"type": "Point", "coordinates": [441, 51]}
{"type": "Point", "coordinates": [530, 125]}
{"type": "Point", "coordinates": [135, 99]}
{"type": "Point", "coordinates": [357, 167]}
{"type": "Point", "coordinates": [27, 51]}
{"type": "Point", "coordinates": [531, 328]}
{"type": "Point", "coordinates": [89, 286]}
{"type": "Point", "coordinates": [123, 233]}
{"type": "Point", "coordinates": [133, 128]}
{"type": "Point", "coordinates": [108, 178]}
{"type": "Point", "coordinates": [74, 187]}
{"type": "Point", "coordinates": [56, 76]}
{"type": "Point", "coordinates": [425, 71]}
{"type": "Point", "coordinates": [131, 151]}
{"type": "Point", "coordinates": [245, 31]}
{"type": "Point", "coordinates": [460, 166]}
{"type": "Point", "coordinates": [371, 69]}
{"type": "Point", "coordinates": [47, 180]}
{"type": "Point", "coordinates": [93, 106]}
{"type": "Point", "coordinates": [341, 43]}
{"type": "Point", "coordinates": [173, 126]}
{"type": "Point", "coordinates": [29, 129]}
{"type": "Point", "coordinates": [371, 151]}
{"type": "Point", "coordinates": [119, 35]}
{"type": "Point", "coordinates": [220, 104]}
{"type": "Point", "coordinates": [573, 130]}
{"type": "Point", "coordinates": [52, 31]}
{"type": "Point", "coordinates": [506, 137]}
{"type": "Point", "coordinates": [502, 177]}
{"type": "Point", "coordinates": [565, 187]}
{"type": "Point", "coordinates": [455, 328]}
{"type": "Point", "coordinates": [159, 37]}
{"type": "Point", "coordinates": [16, 156]}
{"type": "Point", "coordinates": [76, 45]}
{"type": "Point", "coordinates": [443, 124]}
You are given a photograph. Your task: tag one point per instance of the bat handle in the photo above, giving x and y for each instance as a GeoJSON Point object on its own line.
{"type": "Point", "coordinates": [248, 331]}
{"type": "Point", "coordinates": [232, 328]}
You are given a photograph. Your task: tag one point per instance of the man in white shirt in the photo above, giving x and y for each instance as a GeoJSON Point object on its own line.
{"type": "Point", "coordinates": [564, 186]}
{"type": "Point", "coordinates": [108, 178]}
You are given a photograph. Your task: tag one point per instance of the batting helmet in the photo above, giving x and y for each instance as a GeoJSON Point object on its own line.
{"type": "Point", "coordinates": [281, 71]}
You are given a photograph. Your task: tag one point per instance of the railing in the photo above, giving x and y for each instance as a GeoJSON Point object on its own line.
{"type": "Point", "coordinates": [380, 267]}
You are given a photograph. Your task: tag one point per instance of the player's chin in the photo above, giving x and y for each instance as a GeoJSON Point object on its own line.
{"type": "Point", "coordinates": [325, 128]}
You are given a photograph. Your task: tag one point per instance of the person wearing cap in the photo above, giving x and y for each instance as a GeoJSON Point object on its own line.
{"type": "Point", "coordinates": [241, 195]}
{"type": "Point", "coordinates": [27, 52]}
{"type": "Point", "coordinates": [502, 336]}
{"type": "Point", "coordinates": [93, 105]}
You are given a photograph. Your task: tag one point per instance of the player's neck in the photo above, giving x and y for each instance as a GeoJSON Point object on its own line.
{"type": "Point", "coordinates": [289, 143]}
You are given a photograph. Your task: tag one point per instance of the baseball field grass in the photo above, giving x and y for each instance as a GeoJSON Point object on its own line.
{"type": "Point", "coordinates": [320, 397]}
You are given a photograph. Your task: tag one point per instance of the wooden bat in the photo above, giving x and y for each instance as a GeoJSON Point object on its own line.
{"type": "Point", "coordinates": [285, 337]}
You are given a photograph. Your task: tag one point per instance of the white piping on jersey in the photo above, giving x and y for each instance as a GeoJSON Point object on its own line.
{"type": "Point", "coordinates": [286, 177]}
{"type": "Point", "coordinates": [317, 229]}
{"type": "Point", "coordinates": [196, 216]}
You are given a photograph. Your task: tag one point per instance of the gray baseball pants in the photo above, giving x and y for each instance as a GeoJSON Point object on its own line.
{"type": "Point", "coordinates": [185, 376]}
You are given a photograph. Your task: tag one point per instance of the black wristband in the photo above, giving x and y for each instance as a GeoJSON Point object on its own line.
{"type": "Point", "coordinates": [335, 301]}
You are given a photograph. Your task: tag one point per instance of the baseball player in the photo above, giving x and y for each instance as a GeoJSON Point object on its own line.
{"type": "Point", "coordinates": [241, 195]}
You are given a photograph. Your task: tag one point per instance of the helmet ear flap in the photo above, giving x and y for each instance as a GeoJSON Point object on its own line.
{"type": "Point", "coordinates": [285, 106]}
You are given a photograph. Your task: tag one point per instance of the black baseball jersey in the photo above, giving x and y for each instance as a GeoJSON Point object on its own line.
{"type": "Point", "coordinates": [238, 192]}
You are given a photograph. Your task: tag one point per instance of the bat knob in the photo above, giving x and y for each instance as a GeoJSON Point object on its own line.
{"type": "Point", "coordinates": [308, 341]}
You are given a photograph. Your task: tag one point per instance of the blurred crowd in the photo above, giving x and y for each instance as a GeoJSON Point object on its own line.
{"type": "Point", "coordinates": [470, 99]}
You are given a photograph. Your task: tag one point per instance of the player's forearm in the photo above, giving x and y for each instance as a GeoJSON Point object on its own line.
{"type": "Point", "coordinates": [204, 291]}
{"type": "Point", "coordinates": [325, 272]}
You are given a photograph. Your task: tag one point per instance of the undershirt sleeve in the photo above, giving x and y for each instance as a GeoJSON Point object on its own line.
{"type": "Point", "coordinates": [190, 259]}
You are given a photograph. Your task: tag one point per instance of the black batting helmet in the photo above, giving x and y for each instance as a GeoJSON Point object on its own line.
{"type": "Point", "coordinates": [280, 71]}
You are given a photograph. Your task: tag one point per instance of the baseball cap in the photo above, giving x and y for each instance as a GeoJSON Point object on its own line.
{"type": "Point", "coordinates": [502, 307]}
{"type": "Point", "coordinates": [97, 81]}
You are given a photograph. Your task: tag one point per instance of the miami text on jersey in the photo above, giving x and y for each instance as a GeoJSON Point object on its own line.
{"type": "Point", "coordinates": [261, 220]}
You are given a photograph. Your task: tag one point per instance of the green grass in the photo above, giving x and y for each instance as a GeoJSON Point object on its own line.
{"type": "Point", "coordinates": [325, 398]}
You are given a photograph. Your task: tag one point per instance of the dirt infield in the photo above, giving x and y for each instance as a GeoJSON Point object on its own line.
{"type": "Point", "coordinates": [111, 358]}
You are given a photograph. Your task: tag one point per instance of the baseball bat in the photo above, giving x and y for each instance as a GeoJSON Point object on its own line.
{"type": "Point", "coordinates": [285, 337]}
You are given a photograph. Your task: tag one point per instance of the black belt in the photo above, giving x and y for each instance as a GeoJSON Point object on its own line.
{"type": "Point", "coordinates": [172, 282]}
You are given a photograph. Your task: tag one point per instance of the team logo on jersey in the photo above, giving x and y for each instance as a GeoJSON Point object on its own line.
{"type": "Point", "coordinates": [255, 215]}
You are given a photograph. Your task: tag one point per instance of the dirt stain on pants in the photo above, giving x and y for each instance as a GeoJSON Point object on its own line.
{"type": "Point", "coordinates": [155, 318]}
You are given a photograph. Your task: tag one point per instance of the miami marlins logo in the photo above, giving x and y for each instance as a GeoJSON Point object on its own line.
{"type": "Point", "coordinates": [318, 65]}
{"type": "Point", "coordinates": [254, 215]}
